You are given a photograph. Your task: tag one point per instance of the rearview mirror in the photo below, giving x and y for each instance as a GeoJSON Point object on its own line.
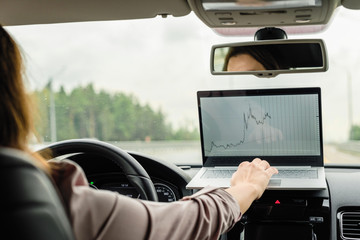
{"type": "Point", "coordinates": [269, 58]}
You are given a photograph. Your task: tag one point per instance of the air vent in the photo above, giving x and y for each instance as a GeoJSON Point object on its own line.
{"type": "Point", "coordinates": [350, 225]}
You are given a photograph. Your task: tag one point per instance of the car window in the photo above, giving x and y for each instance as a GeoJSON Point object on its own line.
{"type": "Point", "coordinates": [133, 83]}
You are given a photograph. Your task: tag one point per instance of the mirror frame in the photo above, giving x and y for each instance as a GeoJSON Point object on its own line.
{"type": "Point", "coordinates": [272, 73]}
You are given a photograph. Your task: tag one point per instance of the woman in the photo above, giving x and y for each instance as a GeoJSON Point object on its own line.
{"type": "Point", "coordinates": [251, 58]}
{"type": "Point", "coordinates": [107, 215]}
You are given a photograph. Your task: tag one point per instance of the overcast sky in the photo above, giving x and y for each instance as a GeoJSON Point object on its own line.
{"type": "Point", "coordinates": [165, 61]}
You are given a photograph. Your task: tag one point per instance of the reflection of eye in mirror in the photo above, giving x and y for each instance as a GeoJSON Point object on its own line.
{"type": "Point", "coordinates": [269, 56]}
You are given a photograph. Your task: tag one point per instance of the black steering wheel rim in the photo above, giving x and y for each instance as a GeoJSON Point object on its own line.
{"type": "Point", "coordinates": [133, 171]}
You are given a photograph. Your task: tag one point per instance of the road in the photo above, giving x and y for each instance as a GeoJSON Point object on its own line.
{"type": "Point", "coordinates": [189, 153]}
{"type": "Point", "coordinates": [342, 154]}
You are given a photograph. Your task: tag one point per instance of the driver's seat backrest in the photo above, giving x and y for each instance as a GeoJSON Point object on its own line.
{"type": "Point", "coordinates": [30, 205]}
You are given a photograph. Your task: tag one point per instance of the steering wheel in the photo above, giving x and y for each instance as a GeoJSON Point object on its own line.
{"type": "Point", "coordinates": [133, 171]}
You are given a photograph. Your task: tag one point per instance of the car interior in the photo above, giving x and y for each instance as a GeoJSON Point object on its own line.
{"type": "Point", "coordinates": [288, 30]}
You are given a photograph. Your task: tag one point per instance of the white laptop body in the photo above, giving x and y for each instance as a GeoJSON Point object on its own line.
{"type": "Point", "coordinates": [282, 126]}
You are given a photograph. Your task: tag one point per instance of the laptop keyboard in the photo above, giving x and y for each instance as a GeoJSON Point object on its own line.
{"type": "Point", "coordinates": [293, 173]}
{"type": "Point", "coordinates": [305, 174]}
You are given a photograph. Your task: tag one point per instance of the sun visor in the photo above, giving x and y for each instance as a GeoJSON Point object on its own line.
{"type": "Point", "coordinates": [55, 11]}
{"type": "Point", "coordinates": [351, 4]}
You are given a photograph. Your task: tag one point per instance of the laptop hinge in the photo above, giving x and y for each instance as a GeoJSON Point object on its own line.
{"type": "Point", "coordinates": [225, 167]}
{"type": "Point", "coordinates": [294, 167]}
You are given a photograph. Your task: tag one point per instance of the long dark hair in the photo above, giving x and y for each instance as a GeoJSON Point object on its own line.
{"type": "Point", "coordinates": [16, 110]}
{"type": "Point", "coordinates": [259, 52]}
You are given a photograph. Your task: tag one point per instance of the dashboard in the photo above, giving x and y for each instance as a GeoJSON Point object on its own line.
{"type": "Point", "coordinates": [315, 215]}
{"type": "Point", "coordinates": [166, 191]}
{"type": "Point", "coordinates": [169, 180]}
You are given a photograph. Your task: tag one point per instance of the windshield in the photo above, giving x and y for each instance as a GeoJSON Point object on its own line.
{"type": "Point", "coordinates": [133, 83]}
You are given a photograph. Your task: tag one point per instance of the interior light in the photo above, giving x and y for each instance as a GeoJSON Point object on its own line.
{"type": "Point", "coordinates": [258, 4]}
{"type": "Point", "coordinates": [228, 23]}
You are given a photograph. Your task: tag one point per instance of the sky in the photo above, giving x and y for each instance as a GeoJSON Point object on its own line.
{"type": "Point", "coordinates": [164, 62]}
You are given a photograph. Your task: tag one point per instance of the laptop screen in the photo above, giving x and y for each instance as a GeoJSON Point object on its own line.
{"type": "Point", "coordinates": [282, 126]}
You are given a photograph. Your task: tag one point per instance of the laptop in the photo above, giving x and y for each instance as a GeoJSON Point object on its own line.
{"type": "Point", "coordinates": [282, 126]}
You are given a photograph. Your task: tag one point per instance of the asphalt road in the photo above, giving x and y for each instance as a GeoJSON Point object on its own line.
{"type": "Point", "coordinates": [341, 154]}
{"type": "Point", "coordinates": [189, 153]}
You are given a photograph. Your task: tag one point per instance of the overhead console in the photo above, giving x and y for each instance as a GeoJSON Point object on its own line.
{"type": "Point", "coordinates": [256, 13]}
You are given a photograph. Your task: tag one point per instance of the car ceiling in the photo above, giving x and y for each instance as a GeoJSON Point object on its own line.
{"type": "Point", "coordinates": [20, 12]}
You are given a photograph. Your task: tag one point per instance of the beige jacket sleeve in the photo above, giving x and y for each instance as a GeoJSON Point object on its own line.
{"type": "Point", "coordinates": [100, 214]}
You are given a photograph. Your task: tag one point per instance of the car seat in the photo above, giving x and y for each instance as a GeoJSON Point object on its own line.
{"type": "Point", "coordinates": [30, 204]}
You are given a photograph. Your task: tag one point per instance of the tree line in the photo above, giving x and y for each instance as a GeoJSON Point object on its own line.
{"type": "Point", "coordinates": [85, 113]}
{"type": "Point", "coordinates": [355, 133]}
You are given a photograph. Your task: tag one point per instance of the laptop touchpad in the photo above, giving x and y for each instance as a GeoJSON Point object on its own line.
{"type": "Point", "coordinates": [274, 182]}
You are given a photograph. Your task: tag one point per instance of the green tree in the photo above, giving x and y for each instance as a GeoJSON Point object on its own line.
{"type": "Point", "coordinates": [85, 113]}
{"type": "Point", "coordinates": [355, 132]}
